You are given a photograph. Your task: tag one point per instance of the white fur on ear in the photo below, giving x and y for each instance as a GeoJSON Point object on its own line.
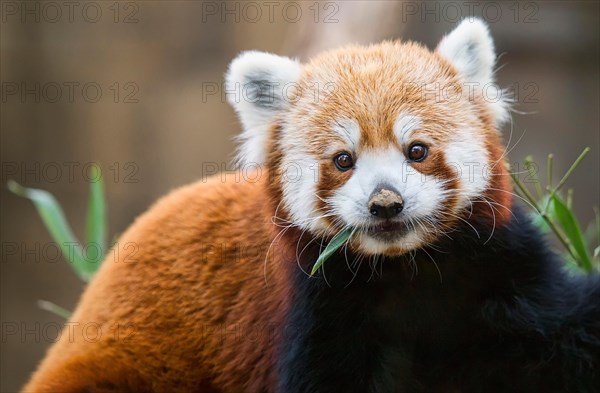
{"type": "Point", "coordinates": [470, 48]}
{"type": "Point", "coordinates": [259, 85]}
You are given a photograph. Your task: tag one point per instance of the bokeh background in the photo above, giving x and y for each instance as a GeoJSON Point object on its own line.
{"type": "Point", "coordinates": [136, 87]}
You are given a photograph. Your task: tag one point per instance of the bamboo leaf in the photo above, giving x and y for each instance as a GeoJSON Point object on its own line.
{"type": "Point", "coordinates": [54, 219]}
{"type": "Point", "coordinates": [96, 216]}
{"type": "Point", "coordinates": [573, 231]}
{"type": "Point", "coordinates": [335, 243]}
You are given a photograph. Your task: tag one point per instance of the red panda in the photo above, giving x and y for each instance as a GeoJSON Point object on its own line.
{"type": "Point", "coordinates": [443, 285]}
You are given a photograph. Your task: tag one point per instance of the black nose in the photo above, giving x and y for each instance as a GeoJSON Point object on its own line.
{"type": "Point", "coordinates": [385, 202]}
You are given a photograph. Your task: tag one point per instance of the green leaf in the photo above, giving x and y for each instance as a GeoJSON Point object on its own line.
{"type": "Point", "coordinates": [573, 232]}
{"type": "Point", "coordinates": [96, 216]}
{"type": "Point", "coordinates": [53, 217]}
{"type": "Point", "coordinates": [335, 243]}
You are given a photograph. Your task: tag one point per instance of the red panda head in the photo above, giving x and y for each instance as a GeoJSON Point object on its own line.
{"type": "Point", "coordinates": [394, 141]}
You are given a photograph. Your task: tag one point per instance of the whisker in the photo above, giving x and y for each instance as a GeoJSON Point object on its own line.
{"type": "Point", "coordinates": [435, 264]}
{"type": "Point", "coordinates": [515, 195]}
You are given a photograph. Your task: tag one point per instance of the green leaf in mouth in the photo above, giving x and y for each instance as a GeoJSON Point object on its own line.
{"type": "Point", "coordinates": [335, 243]}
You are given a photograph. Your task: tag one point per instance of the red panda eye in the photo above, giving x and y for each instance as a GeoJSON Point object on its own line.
{"type": "Point", "coordinates": [417, 152]}
{"type": "Point", "coordinates": [343, 162]}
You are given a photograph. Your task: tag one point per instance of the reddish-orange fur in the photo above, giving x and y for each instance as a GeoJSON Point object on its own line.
{"type": "Point", "coordinates": [193, 303]}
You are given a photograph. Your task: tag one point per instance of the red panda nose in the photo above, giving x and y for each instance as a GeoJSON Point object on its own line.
{"type": "Point", "coordinates": [385, 202]}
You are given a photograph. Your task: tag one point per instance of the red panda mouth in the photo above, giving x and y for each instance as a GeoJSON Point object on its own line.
{"type": "Point", "coordinates": [388, 230]}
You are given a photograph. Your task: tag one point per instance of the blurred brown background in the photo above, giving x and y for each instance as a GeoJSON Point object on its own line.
{"type": "Point", "coordinates": [131, 86]}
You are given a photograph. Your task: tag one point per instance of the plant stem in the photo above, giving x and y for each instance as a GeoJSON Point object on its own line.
{"type": "Point", "coordinates": [527, 195]}
{"type": "Point", "coordinates": [566, 176]}
{"type": "Point", "coordinates": [530, 198]}
{"type": "Point", "coordinates": [571, 169]}
{"type": "Point", "coordinates": [532, 173]}
{"type": "Point", "coordinates": [570, 198]}
{"type": "Point", "coordinates": [54, 308]}
{"type": "Point", "coordinates": [549, 171]}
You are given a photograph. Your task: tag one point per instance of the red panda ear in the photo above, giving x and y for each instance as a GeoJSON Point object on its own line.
{"type": "Point", "coordinates": [470, 49]}
{"type": "Point", "coordinates": [259, 86]}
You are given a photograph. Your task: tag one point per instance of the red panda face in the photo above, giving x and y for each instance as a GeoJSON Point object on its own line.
{"type": "Point", "coordinates": [391, 141]}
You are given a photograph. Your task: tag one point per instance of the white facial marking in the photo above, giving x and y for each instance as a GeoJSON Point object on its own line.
{"type": "Point", "coordinates": [422, 196]}
{"type": "Point", "coordinates": [300, 175]}
{"type": "Point", "coordinates": [348, 130]}
{"type": "Point", "coordinates": [404, 126]}
{"type": "Point", "coordinates": [301, 172]}
{"type": "Point", "coordinates": [467, 155]}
